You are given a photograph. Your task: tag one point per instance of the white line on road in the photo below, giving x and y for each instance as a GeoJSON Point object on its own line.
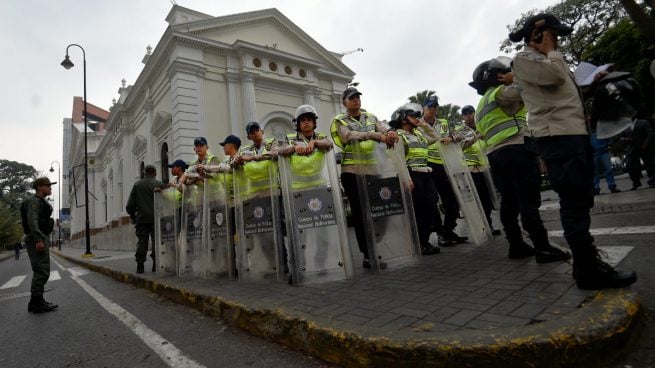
{"type": "Point", "coordinates": [13, 282]}
{"type": "Point", "coordinates": [612, 231]}
{"type": "Point", "coordinates": [171, 355]}
{"type": "Point", "coordinates": [78, 271]}
{"type": "Point", "coordinates": [54, 275]}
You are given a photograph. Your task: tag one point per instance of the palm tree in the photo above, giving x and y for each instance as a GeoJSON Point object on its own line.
{"type": "Point", "coordinates": [449, 112]}
{"type": "Point", "coordinates": [420, 96]}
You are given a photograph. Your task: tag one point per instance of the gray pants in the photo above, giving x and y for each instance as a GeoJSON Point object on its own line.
{"type": "Point", "coordinates": [40, 262]}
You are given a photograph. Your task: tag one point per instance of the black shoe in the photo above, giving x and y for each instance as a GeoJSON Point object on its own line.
{"type": "Point", "coordinates": [429, 249]}
{"type": "Point", "coordinates": [495, 232]}
{"type": "Point", "coordinates": [550, 254]}
{"type": "Point", "coordinates": [366, 263]}
{"type": "Point", "coordinates": [450, 235]}
{"type": "Point", "coordinates": [521, 250]}
{"type": "Point", "coordinates": [635, 186]}
{"type": "Point", "coordinates": [596, 191]}
{"type": "Point", "coordinates": [38, 305]}
{"type": "Point", "coordinates": [615, 190]}
{"type": "Point", "coordinates": [443, 242]}
{"type": "Point", "coordinates": [139, 268]}
{"type": "Point", "coordinates": [154, 267]}
{"type": "Point", "coordinates": [596, 274]}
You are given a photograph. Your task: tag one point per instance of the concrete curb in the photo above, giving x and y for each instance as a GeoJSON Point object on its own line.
{"type": "Point", "coordinates": [583, 338]}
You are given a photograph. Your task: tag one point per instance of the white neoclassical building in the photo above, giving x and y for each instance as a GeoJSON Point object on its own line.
{"type": "Point", "coordinates": [208, 76]}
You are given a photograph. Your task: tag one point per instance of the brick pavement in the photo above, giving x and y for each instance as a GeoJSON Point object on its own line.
{"type": "Point", "coordinates": [466, 293]}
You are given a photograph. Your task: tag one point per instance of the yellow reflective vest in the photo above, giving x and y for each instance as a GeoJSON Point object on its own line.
{"type": "Point", "coordinates": [367, 147]}
{"type": "Point", "coordinates": [493, 123]}
{"type": "Point", "coordinates": [307, 170]}
{"type": "Point", "coordinates": [416, 148]}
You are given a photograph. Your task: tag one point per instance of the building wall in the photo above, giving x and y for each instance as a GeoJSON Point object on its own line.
{"type": "Point", "coordinates": [188, 90]}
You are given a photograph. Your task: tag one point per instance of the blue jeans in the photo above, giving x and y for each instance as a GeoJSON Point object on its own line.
{"type": "Point", "coordinates": [602, 165]}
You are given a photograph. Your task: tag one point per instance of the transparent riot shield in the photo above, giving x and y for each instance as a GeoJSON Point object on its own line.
{"type": "Point", "coordinates": [315, 219]}
{"type": "Point", "coordinates": [383, 184]}
{"type": "Point", "coordinates": [488, 177]}
{"type": "Point", "coordinates": [217, 246]}
{"type": "Point", "coordinates": [467, 195]}
{"type": "Point", "coordinates": [167, 227]}
{"type": "Point", "coordinates": [260, 249]}
{"type": "Point", "coordinates": [190, 252]}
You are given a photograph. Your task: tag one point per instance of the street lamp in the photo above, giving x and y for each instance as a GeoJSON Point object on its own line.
{"type": "Point", "coordinates": [59, 201]}
{"type": "Point", "coordinates": [67, 63]}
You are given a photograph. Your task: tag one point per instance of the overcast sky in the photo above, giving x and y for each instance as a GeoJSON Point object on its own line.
{"type": "Point", "coordinates": [408, 46]}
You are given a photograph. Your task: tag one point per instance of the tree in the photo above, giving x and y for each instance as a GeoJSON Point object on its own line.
{"type": "Point", "coordinates": [645, 23]}
{"type": "Point", "coordinates": [15, 180]}
{"type": "Point", "coordinates": [420, 96]}
{"type": "Point", "coordinates": [10, 228]}
{"type": "Point", "coordinates": [630, 50]}
{"type": "Point", "coordinates": [590, 19]}
{"type": "Point", "coordinates": [449, 112]}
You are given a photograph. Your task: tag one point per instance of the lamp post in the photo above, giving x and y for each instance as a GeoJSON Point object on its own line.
{"type": "Point", "coordinates": [67, 63]}
{"type": "Point", "coordinates": [58, 201]}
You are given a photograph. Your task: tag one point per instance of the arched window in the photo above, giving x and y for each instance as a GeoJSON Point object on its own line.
{"type": "Point", "coordinates": [142, 170]}
{"type": "Point", "coordinates": [164, 163]}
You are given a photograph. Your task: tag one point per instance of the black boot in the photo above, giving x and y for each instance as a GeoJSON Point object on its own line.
{"type": "Point", "coordinates": [443, 242]}
{"type": "Point", "coordinates": [429, 249]}
{"type": "Point", "coordinates": [591, 272]}
{"type": "Point", "coordinates": [520, 249]}
{"type": "Point", "coordinates": [450, 235]}
{"type": "Point", "coordinates": [139, 267]}
{"type": "Point", "coordinates": [38, 305]}
{"type": "Point", "coordinates": [154, 264]}
{"type": "Point", "coordinates": [546, 253]}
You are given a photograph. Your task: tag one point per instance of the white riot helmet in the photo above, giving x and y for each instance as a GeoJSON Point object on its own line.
{"type": "Point", "coordinates": [401, 113]}
{"type": "Point", "coordinates": [305, 110]}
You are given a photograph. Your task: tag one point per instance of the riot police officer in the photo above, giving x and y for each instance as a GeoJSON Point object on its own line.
{"type": "Point", "coordinates": [501, 120]}
{"type": "Point", "coordinates": [357, 124]}
{"type": "Point", "coordinates": [424, 194]}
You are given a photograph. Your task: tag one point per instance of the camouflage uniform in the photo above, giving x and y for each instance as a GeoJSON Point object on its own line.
{"type": "Point", "coordinates": [39, 225]}
{"type": "Point", "coordinates": [141, 208]}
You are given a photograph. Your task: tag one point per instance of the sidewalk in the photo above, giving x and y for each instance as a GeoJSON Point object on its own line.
{"type": "Point", "coordinates": [468, 306]}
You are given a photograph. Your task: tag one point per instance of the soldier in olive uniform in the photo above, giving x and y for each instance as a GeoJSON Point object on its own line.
{"type": "Point", "coordinates": [141, 208]}
{"type": "Point", "coordinates": [37, 225]}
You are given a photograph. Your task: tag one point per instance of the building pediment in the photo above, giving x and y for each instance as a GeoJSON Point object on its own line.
{"type": "Point", "coordinates": [140, 146]}
{"type": "Point", "coordinates": [161, 123]}
{"type": "Point", "coordinates": [268, 28]}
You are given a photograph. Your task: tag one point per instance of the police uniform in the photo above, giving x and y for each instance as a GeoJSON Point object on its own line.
{"type": "Point", "coordinates": [501, 120]}
{"type": "Point", "coordinates": [140, 207]}
{"type": "Point", "coordinates": [37, 223]}
{"type": "Point", "coordinates": [424, 194]}
{"type": "Point", "coordinates": [442, 183]}
{"type": "Point", "coordinates": [257, 170]}
{"type": "Point", "coordinates": [307, 169]}
{"type": "Point", "coordinates": [368, 130]}
{"type": "Point", "coordinates": [557, 119]}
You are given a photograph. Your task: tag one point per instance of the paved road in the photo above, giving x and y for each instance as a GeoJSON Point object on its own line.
{"type": "Point", "coordinates": [641, 257]}
{"type": "Point", "coordinates": [109, 324]}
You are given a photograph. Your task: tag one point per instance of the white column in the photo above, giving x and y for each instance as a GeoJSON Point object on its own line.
{"type": "Point", "coordinates": [248, 98]}
{"type": "Point", "coordinates": [233, 102]}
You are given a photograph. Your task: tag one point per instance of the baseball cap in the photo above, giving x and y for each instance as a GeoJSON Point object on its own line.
{"type": "Point", "coordinates": [253, 125]}
{"type": "Point", "coordinates": [178, 163]}
{"type": "Point", "coordinates": [539, 21]}
{"type": "Point", "coordinates": [431, 101]}
{"type": "Point", "coordinates": [231, 139]}
{"type": "Point", "coordinates": [468, 109]}
{"type": "Point", "coordinates": [42, 181]}
{"type": "Point", "coordinates": [349, 92]}
{"type": "Point", "coordinates": [200, 140]}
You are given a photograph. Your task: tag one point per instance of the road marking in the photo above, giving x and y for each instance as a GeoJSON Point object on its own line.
{"type": "Point", "coordinates": [54, 275]}
{"type": "Point", "coordinates": [611, 231]}
{"type": "Point", "coordinates": [78, 271]}
{"type": "Point", "coordinates": [13, 282]}
{"type": "Point", "coordinates": [615, 254]}
{"type": "Point", "coordinates": [171, 355]}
